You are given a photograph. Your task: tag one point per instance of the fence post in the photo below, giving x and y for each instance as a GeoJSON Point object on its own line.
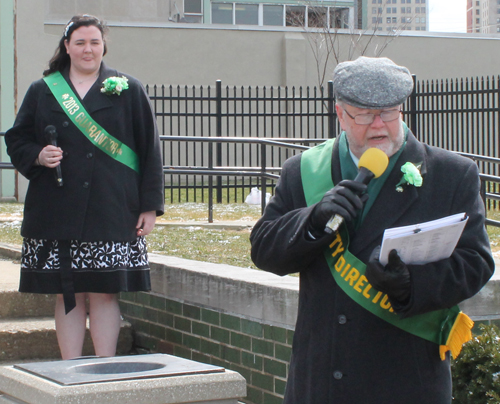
{"type": "Point", "coordinates": [332, 128]}
{"type": "Point", "coordinates": [413, 106]}
{"type": "Point", "coordinates": [263, 181]}
{"type": "Point", "coordinates": [218, 156]}
{"type": "Point", "coordinates": [210, 183]}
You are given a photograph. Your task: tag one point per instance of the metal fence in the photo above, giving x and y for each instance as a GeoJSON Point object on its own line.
{"type": "Point", "coordinates": [240, 131]}
{"type": "Point", "coordinates": [459, 115]}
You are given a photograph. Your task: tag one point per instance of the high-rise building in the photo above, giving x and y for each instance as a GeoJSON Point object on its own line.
{"type": "Point", "coordinates": [483, 16]}
{"type": "Point", "coordinates": [395, 15]}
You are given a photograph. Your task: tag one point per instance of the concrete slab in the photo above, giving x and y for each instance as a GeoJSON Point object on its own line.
{"type": "Point", "coordinates": [213, 388]}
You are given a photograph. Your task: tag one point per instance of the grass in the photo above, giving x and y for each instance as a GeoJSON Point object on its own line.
{"type": "Point", "coordinates": [216, 246]}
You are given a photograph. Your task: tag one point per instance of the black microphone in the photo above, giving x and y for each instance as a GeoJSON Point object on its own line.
{"type": "Point", "coordinates": [51, 136]}
{"type": "Point", "coordinates": [372, 164]}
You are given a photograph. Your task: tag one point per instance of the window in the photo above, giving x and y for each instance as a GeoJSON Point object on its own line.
{"type": "Point", "coordinates": [246, 14]}
{"type": "Point", "coordinates": [408, 10]}
{"type": "Point", "coordinates": [477, 12]}
{"type": "Point", "coordinates": [272, 15]}
{"type": "Point", "coordinates": [380, 10]}
{"type": "Point", "coordinates": [422, 20]}
{"type": "Point", "coordinates": [316, 17]}
{"type": "Point", "coordinates": [417, 20]}
{"type": "Point", "coordinates": [417, 10]}
{"type": "Point", "coordinates": [422, 10]}
{"type": "Point", "coordinates": [222, 13]}
{"type": "Point", "coordinates": [403, 10]}
{"type": "Point", "coordinates": [408, 1]}
{"type": "Point", "coordinates": [374, 10]}
{"type": "Point", "coordinates": [193, 11]}
{"type": "Point", "coordinates": [374, 20]}
{"type": "Point", "coordinates": [417, 1]}
{"type": "Point", "coordinates": [389, 9]}
{"type": "Point", "coordinates": [295, 16]}
{"type": "Point", "coordinates": [478, 20]}
{"type": "Point", "coordinates": [388, 20]}
{"type": "Point", "coordinates": [374, 1]}
{"type": "Point", "coordinates": [394, 20]}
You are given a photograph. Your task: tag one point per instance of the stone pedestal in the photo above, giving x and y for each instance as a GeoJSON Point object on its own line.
{"type": "Point", "coordinates": [151, 379]}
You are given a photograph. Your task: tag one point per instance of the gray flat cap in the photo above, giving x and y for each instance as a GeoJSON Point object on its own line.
{"type": "Point", "coordinates": [372, 83]}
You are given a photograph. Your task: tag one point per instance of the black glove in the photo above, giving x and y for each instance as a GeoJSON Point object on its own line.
{"type": "Point", "coordinates": [344, 199]}
{"type": "Point", "coordinates": [393, 279]}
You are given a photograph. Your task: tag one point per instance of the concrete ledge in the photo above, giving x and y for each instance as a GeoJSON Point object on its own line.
{"type": "Point", "coordinates": [264, 296]}
{"type": "Point", "coordinates": [251, 293]}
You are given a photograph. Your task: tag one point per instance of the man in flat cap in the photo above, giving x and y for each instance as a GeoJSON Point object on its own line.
{"type": "Point", "coordinates": [368, 333]}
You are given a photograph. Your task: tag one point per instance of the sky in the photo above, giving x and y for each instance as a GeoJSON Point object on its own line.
{"type": "Point", "coordinates": [447, 15]}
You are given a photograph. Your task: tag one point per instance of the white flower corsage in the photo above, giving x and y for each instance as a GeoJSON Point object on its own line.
{"type": "Point", "coordinates": [114, 85]}
{"type": "Point", "coordinates": [411, 176]}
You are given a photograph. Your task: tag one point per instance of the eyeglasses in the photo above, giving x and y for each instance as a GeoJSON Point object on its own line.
{"type": "Point", "coordinates": [367, 119]}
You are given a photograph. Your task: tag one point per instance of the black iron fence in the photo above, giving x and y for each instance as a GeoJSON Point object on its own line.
{"type": "Point", "coordinates": [246, 133]}
{"type": "Point", "coordinates": [459, 115]}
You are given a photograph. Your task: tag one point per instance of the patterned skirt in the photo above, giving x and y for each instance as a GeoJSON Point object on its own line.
{"type": "Point", "coordinates": [69, 267]}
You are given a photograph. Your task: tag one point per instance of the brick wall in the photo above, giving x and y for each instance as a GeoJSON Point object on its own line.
{"type": "Point", "coordinates": [184, 316]}
{"type": "Point", "coordinates": [238, 318]}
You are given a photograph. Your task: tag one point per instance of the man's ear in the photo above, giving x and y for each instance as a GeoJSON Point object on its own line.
{"type": "Point", "coordinates": [340, 115]}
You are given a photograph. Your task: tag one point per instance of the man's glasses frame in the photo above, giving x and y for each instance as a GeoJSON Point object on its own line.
{"type": "Point", "coordinates": [367, 119]}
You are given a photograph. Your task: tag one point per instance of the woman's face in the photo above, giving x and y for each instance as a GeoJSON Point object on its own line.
{"type": "Point", "coordinates": [85, 49]}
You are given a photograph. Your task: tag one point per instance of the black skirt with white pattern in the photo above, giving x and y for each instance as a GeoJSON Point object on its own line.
{"type": "Point", "coordinates": [95, 267]}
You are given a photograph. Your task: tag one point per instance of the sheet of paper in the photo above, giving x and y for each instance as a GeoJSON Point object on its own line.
{"type": "Point", "coordinates": [424, 242]}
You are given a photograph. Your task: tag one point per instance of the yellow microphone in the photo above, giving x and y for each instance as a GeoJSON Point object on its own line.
{"type": "Point", "coordinates": [372, 164]}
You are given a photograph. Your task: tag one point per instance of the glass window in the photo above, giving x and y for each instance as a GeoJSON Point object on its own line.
{"type": "Point", "coordinates": [222, 13]}
{"type": "Point", "coordinates": [192, 6]}
{"type": "Point", "coordinates": [388, 20]}
{"type": "Point", "coordinates": [273, 15]}
{"type": "Point", "coordinates": [408, 1]}
{"type": "Point", "coordinates": [295, 16]}
{"type": "Point", "coordinates": [374, 20]}
{"type": "Point", "coordinates": [477, 12]}
{"type": "Point", "coordinates": [408, 10]}
{"type": "Point", "coordinates": [422, 9]}
{"type": "Point", "coordinates": [316, 17]}
{"type": "Point", "coordinates": [478, 20]}
{"type": "Point", "coordinates": [422, 19]}
{"type": "Point", "coordinates": [417, 10]}
{"type": "Point", "coordinates": [394, 20]}
{"type": "Point", "coordinates": [374, 10]}
{"type": "Point", "coordinates": [403, 10]}
{"type": "Point", "coordinates": [402, 1]}
{"type": "Point", "coordinates": [389, 9]}
{"type": "Point", "coordinates": [246, 14]}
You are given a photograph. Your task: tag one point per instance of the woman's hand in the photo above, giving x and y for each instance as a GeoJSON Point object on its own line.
{"type": "Point", "coordinates": [146, 223]}
{"type": "Point", "coordinates": [50, 156]}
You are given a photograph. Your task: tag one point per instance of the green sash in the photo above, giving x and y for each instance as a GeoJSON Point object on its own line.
{"type": "Point", "coordinates": [448, 328]}
{"type": "Point", "coordinates": [94, 132]}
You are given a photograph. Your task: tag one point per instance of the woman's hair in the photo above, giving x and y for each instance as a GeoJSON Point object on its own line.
{"type": "Point", "coordinates": [61, 58]}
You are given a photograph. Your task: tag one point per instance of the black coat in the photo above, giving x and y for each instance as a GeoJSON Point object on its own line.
{"type": "Point", "coordinates": [101, 198]}
{"type": "Point", "coordinates": [341, 352]}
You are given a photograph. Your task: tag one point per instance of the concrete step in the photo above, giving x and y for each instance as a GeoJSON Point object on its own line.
{"type": "Point", "coordinates": [18, 305]}
{"type": "Point", "coordinates": [35, 338]}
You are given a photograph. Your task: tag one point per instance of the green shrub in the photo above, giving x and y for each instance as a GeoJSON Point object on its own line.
{"type": "Point", "coordinates": [476, 372]}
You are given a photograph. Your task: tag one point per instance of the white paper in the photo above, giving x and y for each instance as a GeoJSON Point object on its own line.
{"type": "Point", "coordinates": [424, 242]}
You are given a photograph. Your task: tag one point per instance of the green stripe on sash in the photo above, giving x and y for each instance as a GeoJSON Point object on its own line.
{"type": "Point", "coordinates": [94, 132]}
{"type": "Point", "coordinates": [440, 326]}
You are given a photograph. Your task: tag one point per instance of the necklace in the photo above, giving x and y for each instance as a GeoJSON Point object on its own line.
{"type": "Point", "coordinates": [88, 78]}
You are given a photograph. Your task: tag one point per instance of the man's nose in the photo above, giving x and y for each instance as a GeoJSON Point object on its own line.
{"type": "Point", "coordinates": [378, 122]}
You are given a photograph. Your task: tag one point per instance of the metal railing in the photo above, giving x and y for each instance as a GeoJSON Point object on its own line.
{"type": "Point", "coordinates": [265, 173]}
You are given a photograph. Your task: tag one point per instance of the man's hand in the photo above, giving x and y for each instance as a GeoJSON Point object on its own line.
{"type": "Point", "coordinates": [146, 223]}
{"type": "Point", "coordinates": [344, 199]}
{"type": "Point", "coordinates": [393, 279]}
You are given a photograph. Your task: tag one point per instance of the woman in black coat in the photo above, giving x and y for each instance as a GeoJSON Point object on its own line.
{"type": "Point", "coordinates": [87, 208]}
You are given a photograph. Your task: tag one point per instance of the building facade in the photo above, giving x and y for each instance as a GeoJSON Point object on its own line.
{"type": "Point", "coordinates": [483, 16]}
{"type": "Point", "coordinates": [396, 15]}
